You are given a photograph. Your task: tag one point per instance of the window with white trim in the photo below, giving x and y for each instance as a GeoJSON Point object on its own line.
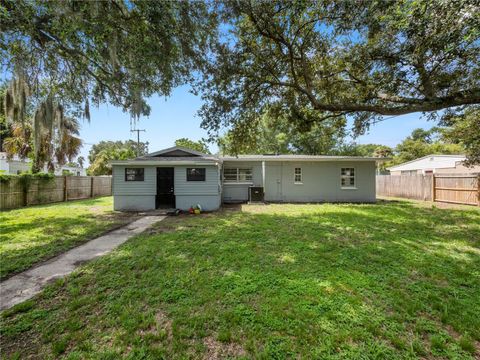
{"type": "Point", "coordinates": [347, 178]}
{"type": "Point", "coordinates": [238, 175]}
{"type": "Point", "coordinates": [297, 178]}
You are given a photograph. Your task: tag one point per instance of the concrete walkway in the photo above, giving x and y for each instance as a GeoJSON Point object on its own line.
{"type": "Point", "coordinates": [25, 285]}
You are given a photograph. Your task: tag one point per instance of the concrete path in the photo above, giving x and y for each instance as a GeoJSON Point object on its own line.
{"type": "Point", "coordinates": [25, 285]}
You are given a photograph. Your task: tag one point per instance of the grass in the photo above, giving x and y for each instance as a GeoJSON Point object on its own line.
{"type": "Point", "coordinates": [30, 235]}
{"type": "Point", "coordinates": [392, 280]}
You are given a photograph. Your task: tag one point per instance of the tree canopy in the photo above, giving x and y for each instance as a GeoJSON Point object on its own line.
{"type": "Point", "coordinates": [200, 145]}
{"type": "Point", "coordinates": [117, 50]}
{"type": "Point", "coordinates": [362, 59]}
{"type": "Point", "coordinates": [273, 133]}
{"type": "Point", "coordinates": [102, 153]}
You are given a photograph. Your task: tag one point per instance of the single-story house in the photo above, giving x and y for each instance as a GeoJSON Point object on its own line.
{"type": "Point", "coordinates": [16, 166]}
{"type": "Point", "coordinates": [434, 164]}
{"type": "Point", "coordinates": [179, 178]}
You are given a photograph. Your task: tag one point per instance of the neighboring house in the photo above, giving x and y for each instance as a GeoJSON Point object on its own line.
{"type": "Point", "coordinates": [17, 166]}
{"type": "Point", "coordinates": [179, 178]}
{"type": "Point", "coordinates": [434, 164]}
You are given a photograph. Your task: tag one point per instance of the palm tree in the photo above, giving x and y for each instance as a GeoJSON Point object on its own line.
{"type": "Point", "coordinates": [81, 161]}
{"type": "Point", "coordinates": [60, 144]}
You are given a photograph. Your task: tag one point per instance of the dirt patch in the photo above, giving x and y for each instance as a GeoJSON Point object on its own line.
{"type": "Point", "coordinates": [220, 350]}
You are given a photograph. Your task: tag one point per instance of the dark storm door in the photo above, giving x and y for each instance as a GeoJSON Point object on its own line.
{"type": "Point", "coordinates": [165, 188]}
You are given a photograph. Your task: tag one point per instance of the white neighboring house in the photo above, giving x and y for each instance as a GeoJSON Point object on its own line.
{"type": "Point", "coordinates": [434, 164]}
{"type": "Point", "coordinates": [17, 166]}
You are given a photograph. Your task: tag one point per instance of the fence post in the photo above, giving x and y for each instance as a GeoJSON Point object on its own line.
{"type": "Point", "coordinates": [478, 189]}
{"type": "Point", "coordinates": [91, 186]}
{"type": "Point", "coordinates": [433, 187]}
{"type": "Point", "coordinates": [65, 189]}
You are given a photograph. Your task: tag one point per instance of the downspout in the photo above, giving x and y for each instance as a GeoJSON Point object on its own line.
{"type": "Point", "coordinates": [263, 179]}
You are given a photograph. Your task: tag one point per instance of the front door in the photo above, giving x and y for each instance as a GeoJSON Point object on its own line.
{"type": "Point", "coordinates": [165, 188]}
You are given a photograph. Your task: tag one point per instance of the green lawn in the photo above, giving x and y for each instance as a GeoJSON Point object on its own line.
{"type": "Point", "coordinates": [36, 233]}
{"type": "Point", "coordinates": [392, 280]}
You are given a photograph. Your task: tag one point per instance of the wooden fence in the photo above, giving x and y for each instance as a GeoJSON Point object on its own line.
{"type": "Point", "coordinates": [14, 194]}
{"type": "Point", "coordinates": [457, 189]}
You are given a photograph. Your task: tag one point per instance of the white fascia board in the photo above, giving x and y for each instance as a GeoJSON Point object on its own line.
{"type": "Point", "coordinates": [306, 159]}
{"type": "Point", "coordinates": [161, 163]}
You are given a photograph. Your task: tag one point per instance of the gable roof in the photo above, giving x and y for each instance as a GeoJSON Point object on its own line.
{"type": "Point", "coordinates": [176, 151]}
{"type": "Point", "coordinates": [432, 161]}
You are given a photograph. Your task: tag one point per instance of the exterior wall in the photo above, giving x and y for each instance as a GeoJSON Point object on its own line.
{"type": "Point", "coordinates": [429, 163]}
{"type": "Point", "coordinates": [320, 182]}
{"type": "Point", "coordinates": [140, 195]}
{"type": "Point", "coordinates": [206, 193]}
{"type": "Point", "coordinates": [238, 192]}
{"type": "Point", "coordinates": [207, 202]}
{"type": "Point", "coordinates": [460, 169]}
{"type": "Point", "coordinates": [18, 166]}
{"type": "Point", "coordinates": [211, 185]}
{"type": "Point", "coordinates": [134, 195]}
{"type": "Point", "coordinates": [133, 202]}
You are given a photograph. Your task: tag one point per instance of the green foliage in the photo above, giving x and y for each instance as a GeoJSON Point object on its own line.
{"type": "Point", "coordinates": [104, 50]}
{"type": "Point", "coordinates": [102, 153]}
{"type": "Point", "coordinates": [464, 129]}
{"type": "Point", "coordinates": [26, 178]}
{"type": "Point", "coordinates": [275, 133]}
{"type": "Point", "coordinates": [333, 281]}
{"type": "Point", "coordinates": [362, 59]}
{"type": "Point", "coordinates": [422, 143]}
{"type": "Point", "coordinates": [200, 145]}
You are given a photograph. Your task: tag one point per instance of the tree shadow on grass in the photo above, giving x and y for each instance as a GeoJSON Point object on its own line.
{"type": "Point", "coordinates": [317, 281]}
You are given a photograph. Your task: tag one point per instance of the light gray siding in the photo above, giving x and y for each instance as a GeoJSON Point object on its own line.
{"type": "Point", "coordinates": [320, 182]}
{"type": "Point", "coordinates": [233, 192]}
{"type": "Point", "coordinates": [207, 202]}
{"type": "Point", "coordinates": [211, 185]}
{"type": "Point", "coordinates": [133, 202]}
{"type": "Point", "coordinates": [206, 193]}
{"type": "Point", "coordinates": [140, 195]}
{"type": "Point", "coordinates": [146, 187]}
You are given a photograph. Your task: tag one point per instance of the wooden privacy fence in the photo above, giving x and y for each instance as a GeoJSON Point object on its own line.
{"type": "Point", "coordinates": [417, 187]}
{"type": "Point", "coordinates": [457, 189]}
{"type": "Point", "coordinates": [14, 193]}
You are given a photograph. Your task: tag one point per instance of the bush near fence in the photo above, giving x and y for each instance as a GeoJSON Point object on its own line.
{"type": "Point", "coordinates": [457, 189]}
{"type": "Point", "coordinates": [14, 194]}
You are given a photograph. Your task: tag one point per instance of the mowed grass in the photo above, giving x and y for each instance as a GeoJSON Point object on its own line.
{"type": "Point", "coordinates": [30, 235]}
{"type": "Point", "coordinates": [387, 281]}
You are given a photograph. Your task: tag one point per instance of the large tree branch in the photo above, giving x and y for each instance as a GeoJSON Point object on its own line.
{"type": "Point", "coordinates": [460, 98]}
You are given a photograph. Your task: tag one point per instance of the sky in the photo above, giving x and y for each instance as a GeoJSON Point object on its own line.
{"type": "Point", "coordinates": [176, 117]}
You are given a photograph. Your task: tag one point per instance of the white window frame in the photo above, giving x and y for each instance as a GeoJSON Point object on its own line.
{"type": "Point", "coordinates": [354, 176]}
{"type": "Point", "coordinates": [295, 181]}
{"type": "Point", "coordinates": [238, 175]}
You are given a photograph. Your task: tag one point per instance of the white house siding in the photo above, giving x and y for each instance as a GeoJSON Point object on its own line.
{"type": "Point", "coordinates": [320, 182]}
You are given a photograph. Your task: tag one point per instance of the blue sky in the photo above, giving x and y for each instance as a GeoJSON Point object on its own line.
{"type": "Point", "coordinates": [176, 117]}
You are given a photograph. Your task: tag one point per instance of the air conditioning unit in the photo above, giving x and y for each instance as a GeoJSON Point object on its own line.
{"type": "Point", "coordinates": [256, 194]}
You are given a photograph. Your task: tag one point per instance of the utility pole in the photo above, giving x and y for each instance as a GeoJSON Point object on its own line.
{"type": "Point", "coordinates": [138, 139]}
